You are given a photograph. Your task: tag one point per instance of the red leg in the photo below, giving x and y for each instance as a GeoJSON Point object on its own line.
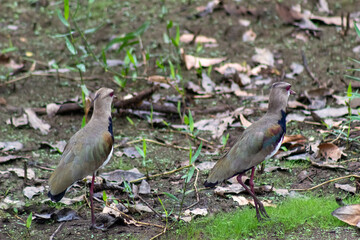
{"type": "Point", "coordinates": [251, 182]}
{"type": "Point", "coordinates": [92, 201]}
{"type": "Point", "coordinates": [259, 207]}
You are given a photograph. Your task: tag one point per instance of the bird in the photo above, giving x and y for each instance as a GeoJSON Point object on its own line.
{"type": "Point", "coordinates": [88, 149]}
{"type": "Point", "coordinates": [260, 141]}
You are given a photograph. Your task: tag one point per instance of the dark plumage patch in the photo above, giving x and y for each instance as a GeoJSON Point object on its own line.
{"type": "Point", "coordinates": [209, 184]}
{"type": "Point", "coordinates": [56, 198]}
{"type": "Point", "coordinates": [110, 128]}
{"type": "Point", "coordinates": [282, 121]}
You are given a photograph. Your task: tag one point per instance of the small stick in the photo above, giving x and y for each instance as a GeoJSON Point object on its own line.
{"type": "Point", "coordinates": [56, 231]}
{"type": "Point", "coordinates": [158, 235]}
{"type": "Point", "coordinates": [25, 172]}
{"type": "Point", "coordinates": [162, 174]}
{"type": "Point", "coordinates": [307, 68]}
{"type": "Point", "coordinates": [159, 143]}
{"type": "Point", "coordinates": [326, 182]}
{"type": "Point", "coordinates": [147, 204]}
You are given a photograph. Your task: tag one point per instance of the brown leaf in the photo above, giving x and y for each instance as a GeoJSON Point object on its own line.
{"type": "Point", "coordinates": [346, 187]}
{"type": "Point", "coordinates": [330, 150]}
{"type": "Point", "coordinates": [263, 56]}
{"type": "Point", "coordinates": [7, 158]}
{"type": "Point", "coordinates": [237, 66]}
{"type": "Point", "coordinates": [287, 14]}
{"type": "Point", "coordinates": [188, 37]}
{"type": "Point", "coordinates": [244, 121]}
{"type": "Point", "coordinates": [36, 122]}
{"type": "Point", "coordinates": [3, 101]}
{"type": "Point", "coordinates": [158, 78]}
{"type": "Point", "coordinates": [249, 36]}
{"type": "Point", "coordinates": [195, 62]}
{"type": "Point", "coordinates": [349, 214]}
{"type": "Point", "coordinates": [232, 188]}
{"type": "Point", "coordinates": [295, 139]}
{"type": "Point", "coordinates": [205, 165]}
{"type": "Point", "coordinates": [7, 146]}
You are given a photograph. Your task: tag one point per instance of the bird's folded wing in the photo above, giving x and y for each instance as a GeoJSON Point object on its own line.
{"type": "Point", "coordinates": [80, 158]}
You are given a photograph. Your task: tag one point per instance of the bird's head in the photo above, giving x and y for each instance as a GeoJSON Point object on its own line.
{"type": "Point", "coordinates": [103, 99]}
{"type": "Point", "coordinates": [279, 95]}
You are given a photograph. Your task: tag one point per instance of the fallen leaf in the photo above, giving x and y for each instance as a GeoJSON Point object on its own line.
{"type": "Point", "coordinates": [207, 83]}
{"type": "Point", "coordinates": [249, 36]}
{"type": "Point", "coordinates": [323, 6]}
{"type": "Point", "coordinates": [131, 152]}
{"type": "Point", "coordinates": [329, 150]}
{"type": "Point", "coordinates": [57, 146]}
{"type": "Point", "coordinates": [36, 122]}
{"type": "Point", "coordinates": [238, 67]}
{"type": "Point", "coordinates": [4, 159]}
{"type": "Point", "coordinates": [242, 201]}
{"type": "Point", "coordinates": [21, 173]}
{"type": "Point", "coordinates": [295, 117]}
{"type": "Point", "coordinates": [244, 22]}
{"type": "Point", "coordinates": [188, 37]}
{"type": "Point", "coordinates": [122, 175]}
{"type": "Point", "coordinates": [235, 188]}
{"type": "Point", "coordinates": [263, 56]}
{"type": "Point", "coordinates": [18, 121]}
{"type": "Point", "coordinates": [216, 125]}
{"type": "Point", "coordinates": [7, 203]}
{"type": "Point", "coordinates": [334, 112]}
{"type": "Point", "coordinates": [195, 62]}
{"type": "Point", "coordinates": [144, 188]}
{"type": "Point", "coordinates": [244, 121]}
{"type": "Point", "coordinates": [70, 201]}
{"type": "Point", "coordinates": [287, 14]}
{"type": "Point", "coordinates": [296, 70]}
{"type": "Point", "coordinates": [158, 79]}
{"type": "Point", "coordinates": [30, 192]}
{"type": "Point", "coordinates": [209, 8]}
{"type": "Point", "coordinates": [11, 146]}
{"type": "Point", "coordinates": [194, 88]}
{"type": "Point", "coordinates": [346, 187]}
{"type": "Point", "coordinates": [140, 207]}
{"type": "Point", "coordinates": [294, 139]}
{"type": "Point", "coordinates": [196, 212]}
{"type": "Point", "coordinates": [205, 165]}
{"type": "Point", "coordinates": [349, 214]}
{"type": "Point", "coordinates": [52, 109]}
{"type": "Point", "coordinates": [275, 168]}
{"type": "Point", "coordinates": [3, 101]}
{"type": "Point", "coordinates": [281, 192]}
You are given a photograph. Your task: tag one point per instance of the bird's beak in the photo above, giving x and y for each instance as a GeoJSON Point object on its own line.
{"type": "Point", "coordinates": [292, 92]}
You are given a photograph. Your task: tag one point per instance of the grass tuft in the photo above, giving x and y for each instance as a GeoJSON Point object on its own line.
{"type": "Point", "coordinates": [292, 214]}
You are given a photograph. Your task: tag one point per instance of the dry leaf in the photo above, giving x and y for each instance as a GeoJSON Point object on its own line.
{"type": "Point", "coordinates": [287, 14]}
{"type": "Point", "coordinates": [296, 70]}
{"type": "Point", "coordinates": [216, 125]}
{"type": "Point", "coordinates": [30, 192]}
{"type": "Point", "coordinates": [188, 37]}
{"type": "Point", "coordinates": [21, 173]}
{"type": "Point", "coordinates": [36, 122]}
{"type": "Point", "coordinates": [329, 150]}
{"type": "Point", "coordinates": [238, 67]}
{"type": "Point", "coordinates": [249, 36]}
{"type": "Point", "coordinates": [8, 146]}
{"type": "Point", "coordinates": [295, 139]}
{"type": "Point", "coordinates": [346, 187]}
{"type": "Point", "coordinates": [207, 83]}
{"type": "Point", "coordinates": [295, 117]}
{"type": "Point", "coordinates": [349, 214]}
{"type": "Point", "coordinates": [144, 188]}
{"type": "Point", "coordinates": [18, 121]}
{"type": "Point", "coordinates": [281, 192]}
{"type": "Point", "coordinates": [244, 121]}
{"type": "Point", "coordinates": [263, 56]}
{"type": "Point", "coordinates": [235, 188]}
{"type": "Point", "coordinates": [122, 175]}
{"type": "Point", "coordinates": [195, 62]}
{"type": "Point", "coordinates": [205, 165]}
{"type": "Point", "coordinates": [323, 6]}
{"type": "Point", "coordinates": [158, 78]}
{"type": "Point", "coordinates": [4, 159]}
{"type": "Point", "coordinates": [334, 112]}
{"type": "Point", "coordinates": [242, 201]}
{"type": "Point", "coordinates": [52, 109]}
{"type": "Point", "coordinates": [7, 203]}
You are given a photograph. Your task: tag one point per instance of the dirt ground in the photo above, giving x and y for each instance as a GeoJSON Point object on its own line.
{"type": "Point", "coordinates": [32, 27]}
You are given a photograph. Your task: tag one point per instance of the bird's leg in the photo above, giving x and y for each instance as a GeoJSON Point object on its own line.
{"type": "Point", "coordinates": [92, 202]}
{"type": "Point", "coordinates": [251, 183]}
{"type": "Point", "coordinates": [257, 203]}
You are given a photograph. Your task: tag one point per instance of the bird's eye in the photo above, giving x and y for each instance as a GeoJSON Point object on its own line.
{"type": "Point", "coordinates": [111, 94]}
{"type": "Point", "coordinates": [288, 87]}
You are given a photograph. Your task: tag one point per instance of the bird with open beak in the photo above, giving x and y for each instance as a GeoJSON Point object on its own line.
{"type": "Point", "coordinates": [87, 150]}
{"type": "Point", "coordinates": [258, 142]}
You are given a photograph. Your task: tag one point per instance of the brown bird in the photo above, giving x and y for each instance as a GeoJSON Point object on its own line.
{"type": "Point", "coordinates": [258, 142]}
{"type": "Point", "coordinates": [87, 150]}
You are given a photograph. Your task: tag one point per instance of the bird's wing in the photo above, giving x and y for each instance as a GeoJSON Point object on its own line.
{"type": "Point", "coordinates": [250, 149]}
{"type": "Point", "coordinates": [81, 158]}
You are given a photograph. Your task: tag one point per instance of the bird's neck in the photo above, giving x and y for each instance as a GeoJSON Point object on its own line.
{"type": "Point", "coordinates": [101, 114]}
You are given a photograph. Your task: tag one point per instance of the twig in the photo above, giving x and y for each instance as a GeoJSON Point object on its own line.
{"type": "Point", "coordinates": [161, 174]}
{"type": "Point", "coordinates": [147, 204]}
{"type": "Point", "coordinates": [56, 231]}
{"type": "Point", "coordinates": [158, 235]}
{"type": "Point", "coordinates": [326, 182]}
{"type": "Point", "coordinates": [135, 221]}
{"type": "Point", "coordinates": [307, 68]}
{"type": "Point", "coordinates": [159, 143]}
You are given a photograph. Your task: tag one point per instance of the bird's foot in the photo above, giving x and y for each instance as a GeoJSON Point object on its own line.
{"type": "Point", "coordinates": [260, 211]}
{"type": "Point", "coordinates": [94, 226]}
